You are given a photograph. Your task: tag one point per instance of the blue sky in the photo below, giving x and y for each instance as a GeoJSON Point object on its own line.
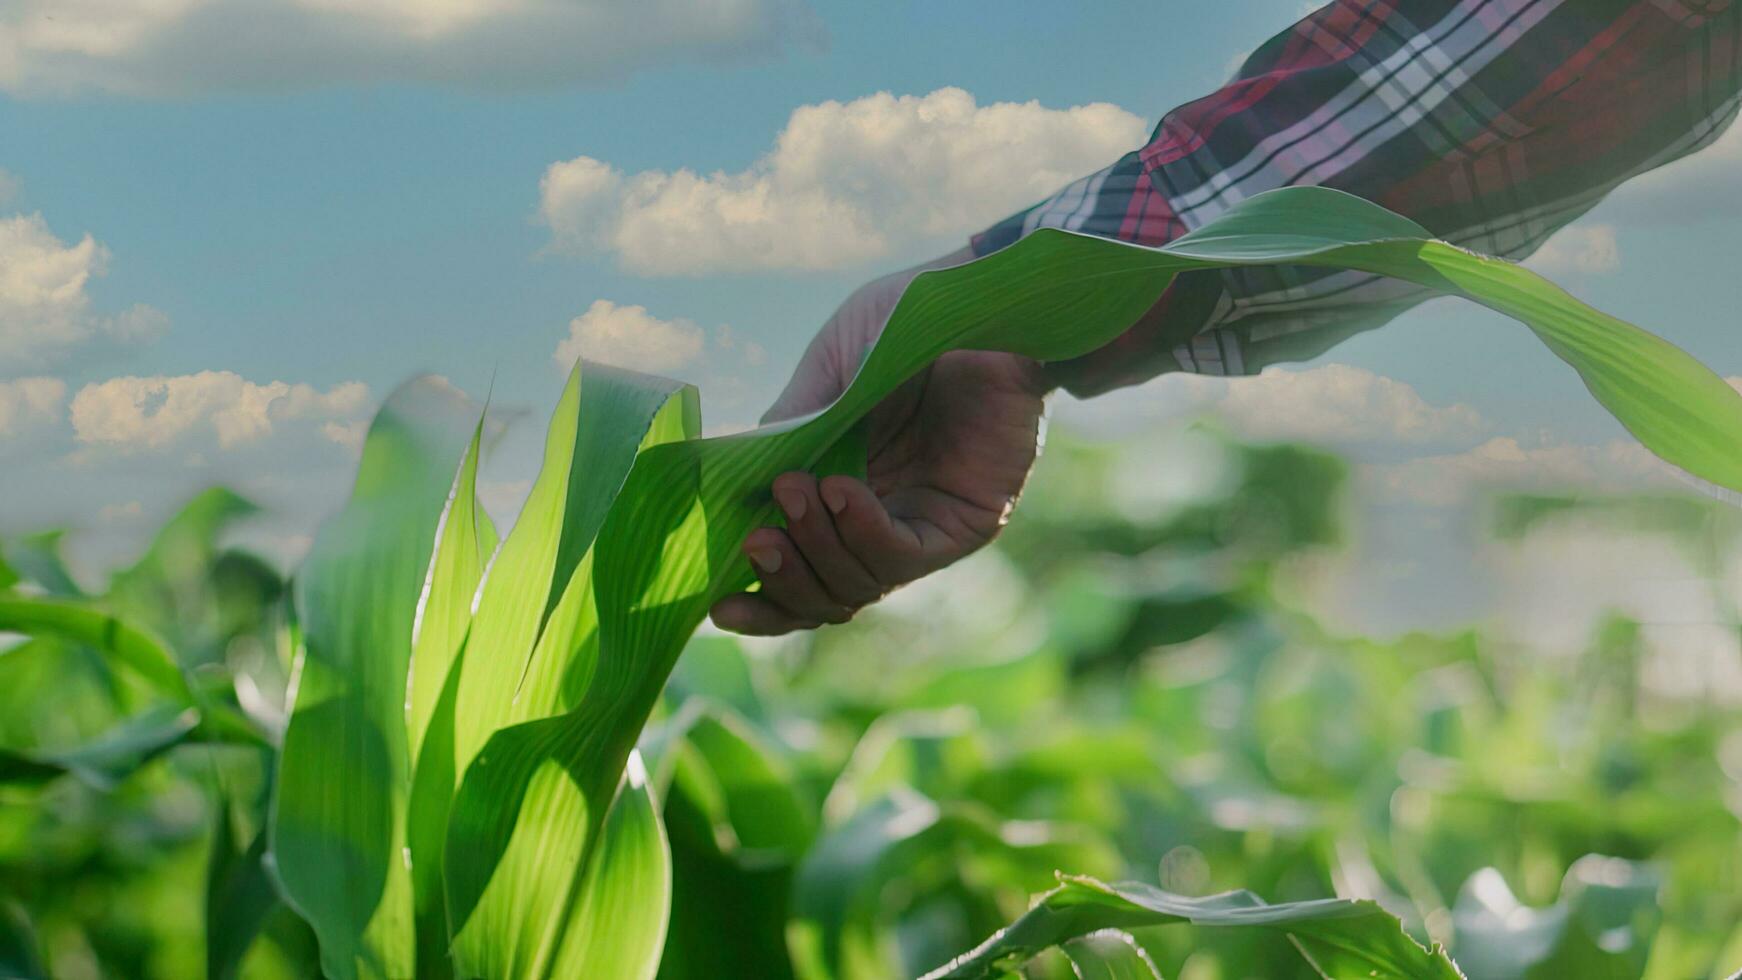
{"type": "Point", "coordinates": [336, 202]}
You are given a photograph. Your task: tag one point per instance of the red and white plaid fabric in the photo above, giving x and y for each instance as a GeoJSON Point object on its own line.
{"type": "Point", "coordinates": [1492, 123]}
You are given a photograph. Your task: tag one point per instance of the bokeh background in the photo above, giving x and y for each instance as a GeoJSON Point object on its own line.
{"type": "Point", "coordinates": [1155, 675]}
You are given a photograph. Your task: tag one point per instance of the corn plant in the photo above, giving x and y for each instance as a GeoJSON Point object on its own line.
{"type": "Point", "coordinates": [458, 789]}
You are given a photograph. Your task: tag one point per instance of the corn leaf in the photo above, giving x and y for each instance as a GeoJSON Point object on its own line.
{"type": "Point", "coordinates": [239, 894]}
{"type": "Point", "coordinates": [838, 898]}
{"type": "Point", "coordinates": [19, 952]}
{"type": "Point", "coordinates": [81, 622]}
{"type": "Point", "coordinates": [1340, 939]}
{"type": "Point", "coordinates": [36, 559]}
{"type": "Point", "coordinates": [520, 892]}
{"type": "Point", "coordinates": [738, 786]}
{"type": "Point", "coordinates": [1109, 954]}
{"type": "Point", "coordinates": [338, 820]}
{"type": "Point", "coordinates": [465, 541]}
{"type": "Point", "coordinates": [104, 761]}
{"type": "Point", "coordinates": [170, 589]}
{"type": "Point", "coordinates": [1602, 926]}
{"type": "Point", "coordinates": [738, 827]}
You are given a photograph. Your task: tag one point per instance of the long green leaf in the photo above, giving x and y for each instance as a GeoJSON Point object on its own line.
{"type": "Point", "coordinates": [464, 544]}
{"type": "Point", "coordinates": [169, 590]}
{"type": "Point", "coordinates": [239, 895]}
{"type": "Point", "coordinates": [1343, 940]}
{"type": "Point", "coordinates": [737, 827]}
{"type": "Point", "coordinates": [81, 622]}
{"type": "Point", "coordinates": [338, 818]}
{"type": "Point", "coordinates": [513, 901]}
{"type": "Point", "coordinates": [106, 760]}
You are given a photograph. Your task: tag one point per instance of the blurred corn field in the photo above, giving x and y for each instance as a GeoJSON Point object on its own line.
{"type": "Point", "coordinates": [1119, 691]}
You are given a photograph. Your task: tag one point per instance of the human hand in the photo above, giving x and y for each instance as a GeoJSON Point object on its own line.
{"type": "Point", "coordinates": [948, 454]}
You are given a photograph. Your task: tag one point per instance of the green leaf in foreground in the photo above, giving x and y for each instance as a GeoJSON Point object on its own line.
{"type": "Point", "coordinates": [338, 818]}
{"type": "Point", "coordinates": [522, 890]}
{"type": "Point", "coordinates": [1341, 939]}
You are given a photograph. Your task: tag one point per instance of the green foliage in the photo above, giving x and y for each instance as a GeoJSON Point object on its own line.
{"type": "Point", "coordinates": [1339, 938]}
{"type": "Point", "coordinates": [457, 788]}
{"type": "Point", "coordinates": [121, 729]}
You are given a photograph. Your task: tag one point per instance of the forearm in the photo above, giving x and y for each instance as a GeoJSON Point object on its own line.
{"type": "Point", "coordinates": [1491, 122]}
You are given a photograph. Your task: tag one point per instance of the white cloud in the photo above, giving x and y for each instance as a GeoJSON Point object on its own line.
{"type": "Point", "coordinates": [44, 307]}
{"type": "Point", "coordinates": [1340, 405]}
{"type": "Point", "coordinates": [166, 47]}
{"type": "Point", "coordinates": [29, 403]}
{"type": "Point", "coordinates": [1579, 249]}
{"type": "Point", "coordinates": [629, 337]}
{"type": "Point", "coordinates": [845, 183]}
{"type": "Point", "coordinates": [119, 513]}
{"type": "Point", "coordinates": [1334, 404]}
{"type": "Point", "coordinates": [132, 413]}
{"type": "Point", "coordinates": [1503, 462]}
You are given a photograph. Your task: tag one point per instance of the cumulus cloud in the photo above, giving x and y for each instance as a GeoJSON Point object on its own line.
{"type": "Point", "coordinates": [1337, 405]}
{"type": "Point", "coordinates": [30, 403]}
{"type": "Point", "coordinates": [119, 513]}
{"type": "Point", "coordinates": [1589, 250]}
{"type": "Point", "coordinates": [1503, 462]}
{"type": "Point", "coordinates": [170, 47]}
{"type": "Point", "coordinates": [844, 183]}
{"type": "Point", "coordinates": [628, 336]}
{"type": "Point", "coordinates": [133, 413]}
{"type": "Point", "coordinates": [44, 307]}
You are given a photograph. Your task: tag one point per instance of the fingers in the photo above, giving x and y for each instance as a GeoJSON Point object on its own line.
{"type": "Point", "coordinates": [753, 614]}
{"type": "Point", "coordinates": [788, 579]}
{"type": "Point", "coordinates": [811, 526]}
{"type": "Point", "coordinates": [840, 551]}
{"type": "Point", "coordinates": [891, 551]}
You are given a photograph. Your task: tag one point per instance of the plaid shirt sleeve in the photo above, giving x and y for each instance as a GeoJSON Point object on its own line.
{"type": "Point", "coordinates": [1492, 123]}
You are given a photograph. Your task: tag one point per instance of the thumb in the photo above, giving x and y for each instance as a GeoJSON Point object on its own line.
{"type": "Point", "coordinates": [814, 384]}
{"type": "Point", "coordinates": [835, 352]}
